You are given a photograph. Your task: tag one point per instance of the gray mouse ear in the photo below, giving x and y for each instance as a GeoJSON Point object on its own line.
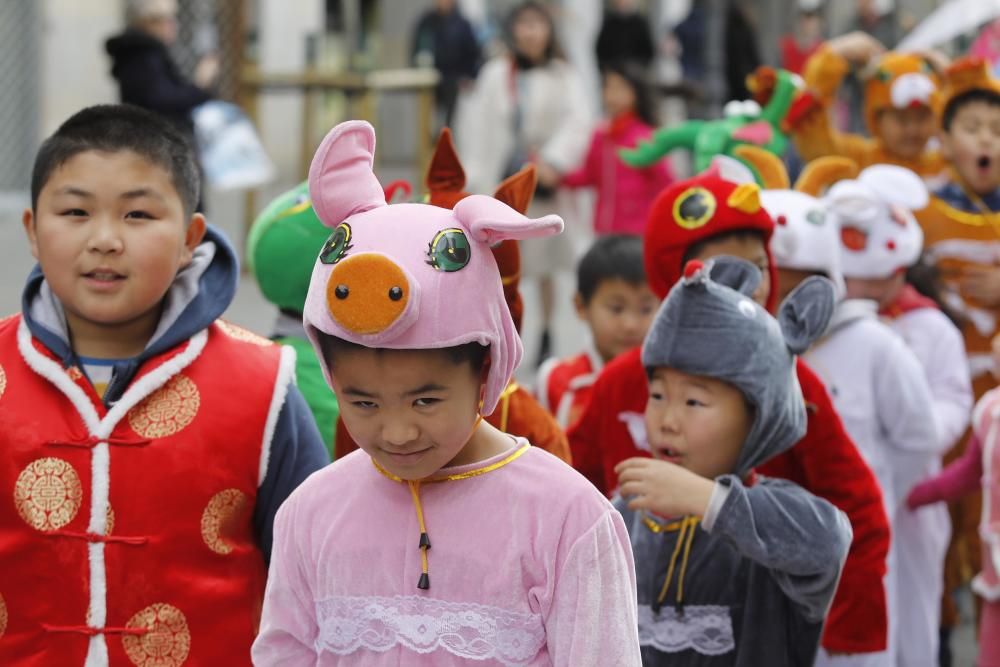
{"type": "Point", "coordinates": [735, 273]}
{"type": "Point", "coordinates": [805, 314]}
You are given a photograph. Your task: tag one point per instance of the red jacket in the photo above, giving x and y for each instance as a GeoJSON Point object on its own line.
{"type": "Point", "coordinates": [825, 462]}
{"type": "Point", "coordinates": [623, 192]}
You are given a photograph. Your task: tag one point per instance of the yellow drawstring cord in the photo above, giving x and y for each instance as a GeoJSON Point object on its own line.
{"type": "Point", "coordinates": [425, 540]}
{"type": "Point", "coordinates": [684, 541]}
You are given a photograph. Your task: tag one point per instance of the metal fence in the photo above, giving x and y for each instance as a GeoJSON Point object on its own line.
{"type": "Point", "coordinates": [20, 30]}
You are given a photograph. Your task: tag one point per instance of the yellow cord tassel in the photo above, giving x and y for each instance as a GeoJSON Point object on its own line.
{"type": "Point", "coordinates": [688, 527]}
{"type": "Point", "coordinates": [425, 541]}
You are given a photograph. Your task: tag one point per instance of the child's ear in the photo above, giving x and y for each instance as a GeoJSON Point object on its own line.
{"type": "Point", "coordinates": [193, 236]}
{"type": "Point", "coordinates": [805, 314]}
{"type": "Point", "coordinates": [580, 306]}
{"type": "Point", "coordinates": [28, 220]}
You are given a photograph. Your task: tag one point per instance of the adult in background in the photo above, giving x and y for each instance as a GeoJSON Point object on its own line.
{"type": "Point", "coordinates": [147, 75]}
{"type": "Point", "coordinates": [625, 36]}
{"type": "Point", "coordinates": [445, 39]}
{"type": "Point", "coordinates": [529, 105]}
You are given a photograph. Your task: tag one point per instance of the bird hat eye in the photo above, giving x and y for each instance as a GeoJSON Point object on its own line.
{"type": "Point", "coordinates": [694, 208]}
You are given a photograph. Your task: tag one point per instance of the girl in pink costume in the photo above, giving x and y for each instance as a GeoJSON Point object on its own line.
{"type": "Point", "coordinates": [624, 193]}
{"type": "Point", "coordinates": [530, 565]}
{"type": "Point", "coordinates": [980, 465]}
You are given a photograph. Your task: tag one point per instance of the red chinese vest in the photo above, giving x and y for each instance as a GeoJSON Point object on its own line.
{"type": "Point", "coordinates": [126, 534]}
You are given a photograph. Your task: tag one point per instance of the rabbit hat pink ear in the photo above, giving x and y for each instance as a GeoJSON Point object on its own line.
{"type": "Point", "coordinates": [341, 180]}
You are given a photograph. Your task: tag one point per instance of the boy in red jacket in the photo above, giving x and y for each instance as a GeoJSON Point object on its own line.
{"type": "Point", "coordinates": [716, 214]}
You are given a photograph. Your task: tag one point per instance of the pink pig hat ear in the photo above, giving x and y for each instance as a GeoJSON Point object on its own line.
{"type": "Point", "coordinates": [341, 180]}
{"type": "Point", "coordinates": [491, 221]}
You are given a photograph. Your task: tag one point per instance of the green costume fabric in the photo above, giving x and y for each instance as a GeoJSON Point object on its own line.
{"type": "Point", "coordinates": [312, 385]}
{"type": "Point", "coordinates": [281, 249]}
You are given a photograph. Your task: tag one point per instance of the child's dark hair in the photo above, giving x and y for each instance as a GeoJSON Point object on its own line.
{"type": "Point", "coordinates": [968, 97]}
{"type": "Point", "coordinates": [112, 128]}
{"type": "Point", "coordinates": [611, 256]}
{"type": "Point", "coordinates": [473, 353]}
{"type": "Point", "coordinates": [925, 277]}
{"type": "Point", "coordinates": [637, 78]}
{"type": "Point", "coordinates": [695, 249]}
{"type": "Point", "coordinates": [553, 50]}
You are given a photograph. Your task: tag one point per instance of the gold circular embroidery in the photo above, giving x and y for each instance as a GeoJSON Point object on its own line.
{"type": "Point", "coordinates": [74, 373]}
{"type": "Point", "coordinates": [109, 521]}
{"type": "Point", "coordinates": [217, 521]}
{"type": "Point", "coordinates": [3, 616]}
{"type": "Point", "coordinates": [168, 641]}
{"type": "Point", "coordinates": [168, 410]}
{"type": "Point", "coordinates": [245, 335]}
{"type": "Point", "coordinates": [47, 494]}
{"type": "Point", "coordinates": [3, 380]}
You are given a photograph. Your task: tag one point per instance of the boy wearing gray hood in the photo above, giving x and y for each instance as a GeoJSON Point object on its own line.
{"type": "Point", "coordinates": [732, 569]}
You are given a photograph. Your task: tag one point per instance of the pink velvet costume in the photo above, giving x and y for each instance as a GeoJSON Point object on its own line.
{"type": "Point", "coordinates": [530, 564]}
{"type": "Point", "coordinates": [978, 466]}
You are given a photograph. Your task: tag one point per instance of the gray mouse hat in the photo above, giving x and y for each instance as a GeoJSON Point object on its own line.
{"type": "Point", "coordinates": [711, 327]}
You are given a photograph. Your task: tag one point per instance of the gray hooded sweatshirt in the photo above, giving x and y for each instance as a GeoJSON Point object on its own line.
{"type": "Point", "coordinates": [751, 583]}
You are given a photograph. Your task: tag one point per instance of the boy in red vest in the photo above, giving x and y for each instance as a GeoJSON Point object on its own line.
{"type": "Point", "coordinates": [715, 213]}
{"type": "Point", "coordinates": [146, 444]}
{"type": "Point", "coordinates": [615, 302]}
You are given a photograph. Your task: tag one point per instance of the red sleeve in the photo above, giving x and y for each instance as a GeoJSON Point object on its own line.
{"type": "Point", "coordinates": [962, 476]}
{"type": "Point", "coordinates": [343, 442]}
{"type": "Point", "coordinates": [826, 462]}
{"type": "Point", "coordinates": [584, 437]}
{"type": "Point", "coordinates": [587, 173]}
{"type": "Point", "coordinates": [601, 435]}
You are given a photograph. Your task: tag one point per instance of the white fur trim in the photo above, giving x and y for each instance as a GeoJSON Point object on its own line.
{"type": "Point", "coordinates": [54, 373]}
{"type": "Point", "coordinates": [97, 652]}
{"type": "Point", "coordinates": [286, 377]}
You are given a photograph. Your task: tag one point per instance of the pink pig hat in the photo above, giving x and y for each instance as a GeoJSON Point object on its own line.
{"type": "Point", "coordinates": [409, 276]}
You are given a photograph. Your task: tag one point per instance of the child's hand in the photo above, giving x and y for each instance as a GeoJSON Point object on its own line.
{"type": "Point", "coordinates": [856, 47]}
{"type": "Point", "coordinates": [663, 487]}
{"type": "Point", "coordinates": [548, 177]}
{"type": "Point", "coordinates": [982, 284]}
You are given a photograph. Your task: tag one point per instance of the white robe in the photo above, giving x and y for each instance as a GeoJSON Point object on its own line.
{"type": "Point", "coordinates": [922, 536]}
{"type": "Point", "coordinates": [879, 389]}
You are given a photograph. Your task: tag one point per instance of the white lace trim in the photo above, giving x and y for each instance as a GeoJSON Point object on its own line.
{"type": "Point", "coordinates": [466, 630]}
{"type": "Point", "coordinates": [705, 629]}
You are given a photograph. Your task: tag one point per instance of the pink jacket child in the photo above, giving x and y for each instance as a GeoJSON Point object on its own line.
{"type": "Point", "coordinates": [624, 193]}
{"type": "Point", "coordinates": [980, 465]}
{"type": "Point", "coordinates": [530, 564]}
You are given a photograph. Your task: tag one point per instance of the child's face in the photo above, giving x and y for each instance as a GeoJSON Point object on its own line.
{"type": "Point", "coordinates": [905, 132]}
{"type": "Point", "coordinates": [619, 97]}
{"type": "Point", "coordinates": [531, 35]}
{"type": "Point", "coordinates": [619, 314]}
{"type": "Point", "coordinates": [413, 411]}
{"type": "Point", "coordinates": [110, 234]}
{"type": "Point", "coordinates": [696, 422]}
{"type": "Point", "coordinates": [882, 290]}
{"type": "Point", "coordinates": [972, 145]}
{"type": "Point", "coordinates": [752, 249]}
